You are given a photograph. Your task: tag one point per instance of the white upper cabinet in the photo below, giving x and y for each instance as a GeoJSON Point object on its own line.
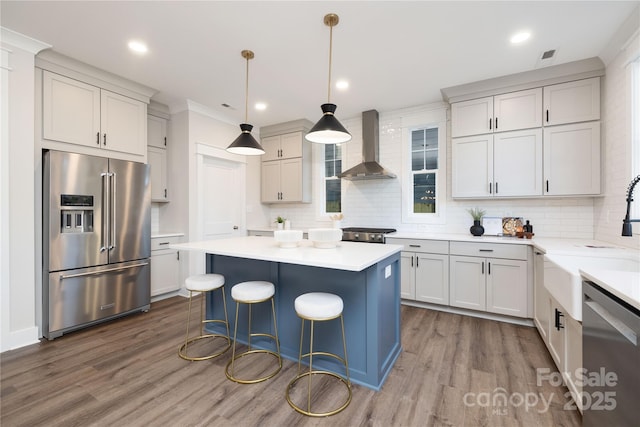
{"type": "Point", "coordinates": [517, 110]}
{"type": "Point", "coordinates": [501, 113]}
{"type": "Point", "coordinates": [70, 111]}
{"type": "Point", "coordinates": [156, 132]}
{"type": "Point", "coordinates": [572, 159]}
{"type": "Point", "coordinates": [280, 147]}
{"type": "Point", "coordinates": [572, 102]}
{"type": "Point", "coordinates": [286, 168]}
{"type": "Point", "coordinates": [78, 113]}
{"type": "Point", "coordinates": [507, 164]}
{"type": "Point", "coordinates": [472, 117]}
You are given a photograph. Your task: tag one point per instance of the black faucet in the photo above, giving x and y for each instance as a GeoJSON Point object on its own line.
{"type": "Point", "coordinates": [626, 223]}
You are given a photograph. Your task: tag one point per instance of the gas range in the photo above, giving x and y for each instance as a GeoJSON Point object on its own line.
{"type": "Point", "coordinates": [367, 235]}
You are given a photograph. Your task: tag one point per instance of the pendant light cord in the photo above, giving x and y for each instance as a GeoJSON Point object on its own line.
{"type": "Point", "coordinates": [330, 54]}
{"type": "Point", "coordinates": [246, 91]}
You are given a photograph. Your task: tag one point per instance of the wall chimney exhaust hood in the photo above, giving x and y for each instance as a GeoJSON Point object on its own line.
{"type": "Point", "coordinates": [369, 168]}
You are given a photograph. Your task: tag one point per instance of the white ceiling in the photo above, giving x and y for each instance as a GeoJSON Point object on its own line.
{"type": "Point", "coordinates": [395, 54]}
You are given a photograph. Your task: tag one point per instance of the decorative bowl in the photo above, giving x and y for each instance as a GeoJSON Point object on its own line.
{"type": "Point", "coordinates": [325, 238]}
{"type": "Point", "coordinates": [288, 238]}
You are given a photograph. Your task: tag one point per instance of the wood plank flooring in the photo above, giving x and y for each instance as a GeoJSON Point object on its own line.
{"type": "Point", "coordinates": [453, 371]}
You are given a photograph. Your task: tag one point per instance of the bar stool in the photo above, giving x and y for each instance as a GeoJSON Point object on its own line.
{"type": "Point", "coordinates": [205, 283]}
{"type": "Point", "coordinates": [319, 307]}
{"type": "Point", "coordinates": [253, 292]}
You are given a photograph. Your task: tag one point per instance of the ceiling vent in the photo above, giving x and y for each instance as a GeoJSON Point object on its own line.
{"type": "Point", "coordinates": [546, 58]}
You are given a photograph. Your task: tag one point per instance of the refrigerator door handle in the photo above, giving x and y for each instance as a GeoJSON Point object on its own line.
{"type": "Point", "coordinates": [105, 209]}
{"type": "Point", "coordinates": [112, 219]}
{"type": "Point", "coordinates": [96, 273]}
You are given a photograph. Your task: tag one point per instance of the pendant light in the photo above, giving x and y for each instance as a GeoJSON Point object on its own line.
{"type": "Point", "coordinates": [246, 144]}
{"type": "Point", "coordinates": [329, 130]}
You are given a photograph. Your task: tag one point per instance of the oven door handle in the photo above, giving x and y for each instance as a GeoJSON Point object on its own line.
{"type": "Point", "coordinates": [616, 323]}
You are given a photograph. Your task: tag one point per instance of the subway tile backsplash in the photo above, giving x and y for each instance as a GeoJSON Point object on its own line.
{"type": "Point", "coordinates": [377, 203]}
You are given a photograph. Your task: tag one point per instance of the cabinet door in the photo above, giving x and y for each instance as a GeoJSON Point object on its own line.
{"type": "Point", "coordinates": [556, 334]}
{"type": "Point", "coordinates": [291, 145]}
{"type": "Point", "coordinates": [541, 302]}
{"type": "Point", "coordinates": [165, 271]}
{"type": "Point", "coordinates": [291, 180]}
{"type": "Point", "coordinates": [573, 357]}
{"type": "Point", "coordinates": [270, 182]}
{"type": "Point", "coordinates": [432, 278]}
{"type": "Point", "coordinates": [472, 164]}
{"type": "Point", "coordinates": [472, 117]}
{"type": "Point", "coordinates": [572, 159]}
{"type": "Point", "coordinates": [517, 110]}
{"type": "Point", "coordinates": [123, 123]}
{"type": "Point", "coordinates": [70, 111]}
{"type": "Point", "coordinates": [271, 147]}
{"type": "Point", "coordinates": [407, 276]}
{"type": "Point", "coordinates": [467, 287]}
{"type": "Point", "coordinates": [507, 287]}
{"type": "Point", "coordinates": [156, 132]}
{"type": "Point", "coordinates": [517, 163]}
{"type": "Point", "coordinates": [157, 159]}
{"type": "Point", "coordinates": [572, 102]}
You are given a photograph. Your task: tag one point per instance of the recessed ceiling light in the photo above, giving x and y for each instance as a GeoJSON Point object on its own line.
{"type": "Point", "coordinates": [138, 46]}
{"type": "Point", "coordinates": [520, 37]}
{"type": "Point", "coordinates": [342, 84]}
{"type": "Point", "coordinates": [260, 106]}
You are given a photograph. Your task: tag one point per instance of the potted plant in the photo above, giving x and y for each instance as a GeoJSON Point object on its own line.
{"type": "Point", "coordinates": [280, 222]}
{"type": "Point", "coordinates": [476, 213]}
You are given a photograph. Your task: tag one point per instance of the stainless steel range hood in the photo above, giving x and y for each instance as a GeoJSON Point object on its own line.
{"type": "Point", "coordinates": [369, 168]}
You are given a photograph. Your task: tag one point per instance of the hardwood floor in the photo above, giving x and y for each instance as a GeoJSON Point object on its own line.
{"type": "Point", "coordinates": [453, 371]}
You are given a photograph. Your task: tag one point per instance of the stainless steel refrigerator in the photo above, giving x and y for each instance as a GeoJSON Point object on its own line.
{"type": "Point", "coordinates": [96, 240]}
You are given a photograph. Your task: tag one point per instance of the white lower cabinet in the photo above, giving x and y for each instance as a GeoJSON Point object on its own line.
{"type": "Point", "coordinates": [424, 270]}
{"type": "Point", "coordinates": [499, 284]}
{"type": "Point", "coordinates": [542, 301]}
{"type": "Point", "coordinates": [165, 265]}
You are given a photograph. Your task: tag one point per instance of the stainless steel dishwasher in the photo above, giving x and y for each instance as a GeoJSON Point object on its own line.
{"type": "Point", "coordinates": [611, 359]}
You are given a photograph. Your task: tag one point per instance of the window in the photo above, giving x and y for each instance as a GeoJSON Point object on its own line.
{"type": "Point", "coordinates": [424, 169]}
{"type": "Point", "coordinates": [332, 184]}
{"type": "Point", "coordinates": [424, 165]}
{"type": "Point", "coordinates": [635, 132]}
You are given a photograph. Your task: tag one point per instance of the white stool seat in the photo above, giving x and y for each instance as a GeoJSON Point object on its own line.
{"type": "Point", "coordinates": [204, 282]}
{"type": "Point", "coordinates": [248, 292]}
{"type": "Point", "coordinates": [318, 306]}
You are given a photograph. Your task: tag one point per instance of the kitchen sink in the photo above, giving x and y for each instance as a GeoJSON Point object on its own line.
{"type": "Point", "coordinates": [562, 277]}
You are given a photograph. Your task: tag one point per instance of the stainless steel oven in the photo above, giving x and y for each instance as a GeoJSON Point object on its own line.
{"type": "Point", "coordinates": [366, 235]}
{"type": "Point", "coordinates": [611, 359]}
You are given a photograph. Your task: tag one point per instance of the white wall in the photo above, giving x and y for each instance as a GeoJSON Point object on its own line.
{"type": "Point", "coordinates": [616, 110]}
{"type": "Point", "coordinates": [17, 186]}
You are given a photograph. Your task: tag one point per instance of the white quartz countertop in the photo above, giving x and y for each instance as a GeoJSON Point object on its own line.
{"type": "Point", "coordinates": [352, 256]}
{"type": "Point", "coordinates": [162, 235]}
{"type": "Point", "coordinates": [623, 284]}
{"type": "Point", "coordinates": [459, 237]}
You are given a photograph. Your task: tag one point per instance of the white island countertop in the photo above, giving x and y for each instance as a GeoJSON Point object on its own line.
{"type": "Point", "coordinates": [351, 256]}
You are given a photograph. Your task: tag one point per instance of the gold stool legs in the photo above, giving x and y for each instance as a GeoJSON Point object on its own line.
{"type": "Point", "coordinates": [310, 373]}
{"type": "Point", "coordinates": [230, 369]}
{"type": "Point", "coordinates": [183, 351]}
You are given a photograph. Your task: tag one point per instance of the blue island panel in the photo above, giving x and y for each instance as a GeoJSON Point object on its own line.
{"type": "Point", "coordinates": [371, 311]}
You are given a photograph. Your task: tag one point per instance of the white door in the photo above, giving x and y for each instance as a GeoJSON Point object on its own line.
{"type": "Point", "coordinates": [222, 198]}
{"type": "Point", "coordinates": [517, 163]}
{"type": "Point", "coordinates": [472, 117]}
{"type": "Point", "coordinates": [472, 161]}
{"type": "Point", "coordinates": [518, 110]}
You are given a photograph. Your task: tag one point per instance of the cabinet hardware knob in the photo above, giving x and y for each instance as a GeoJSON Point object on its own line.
{"type": "Point", "coordinates": [547, 115]}
{"type": "Point", "coordinates": [411, 260]}
{"type": "Point", "coordinates": [104, 137]}
{"type": "Point", "coordinates": [417, 261]}
{"type": "Point", "coordinates": [165, 193]}
{"type": "Point", "coordinates": [489, 123]}
{"type": "Point", "coordinates": [490, 188]}
{"type": "Point", "coordinates": [496, 187]}
{"type": "Point", "coordinates": [98, 138]}
{"type": "Point", "coordinates": [163, 243]}
{"type": "Point", "coordinates": [165, 141]}
{"type": "Point", "coordinates": [178, 255]}
{"type": "Point", "coordinates": [414, 246]}
{"type": "Point", "coordinates": [485, 250]}
{"type": "Point", "coordinates": [488, 268]}
{"type": "Point", "coordinates": [547, 186]}
{"type": "Point", "coordinates": [482, 267]}
{"type": "Point", "coordinates": [496, 123]}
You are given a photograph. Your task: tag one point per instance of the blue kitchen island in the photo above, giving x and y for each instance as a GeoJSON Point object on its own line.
{"type": "Point", "coordinates": [366, 276]}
